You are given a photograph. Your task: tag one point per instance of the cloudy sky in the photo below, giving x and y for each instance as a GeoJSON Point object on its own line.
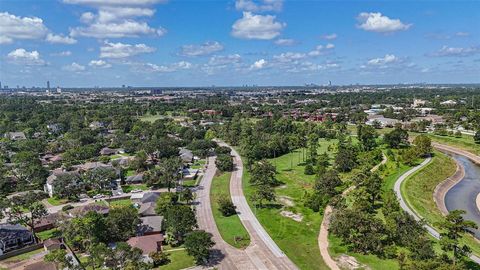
{"type": "Point", "coordinates": [264, 42]}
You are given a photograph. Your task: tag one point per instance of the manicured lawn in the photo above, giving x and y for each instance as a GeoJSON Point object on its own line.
{"type": "Point", "coordinates": [128, 188]}
{"type": "Point", "coordinates": [24, 256]}
{"type": "Point", "coordinates": [229, 227]}
{"type": "Point", "coordinates": [336, 249]}
{"type": "Point", "coordinates": [465, 142]}
{"type": "Point", "coordinates": [55, 201]}
{"type": "Point", "coordinates": [418, 192]}
{"type": "Point", "coordinates": [297, 239]}
{"type": "Point", "coordinates": [179, 259]}
{"type": "Point", "coordinates": [151, 118]}
{"type": "Point", "coordinates": [123, 202]}
{"type": "Point", "coordinates": [48, 234]}
{"type": "Point", "coordinates": [190, 183]}
{"type": "Point", "coordinates": [130, 173]}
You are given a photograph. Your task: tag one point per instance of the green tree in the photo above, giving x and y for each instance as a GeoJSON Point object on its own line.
{"type": "Point", "coordinates": [224, 162]}
{"type": "Point", "coordinates": [396, 138]}
{"type": "Point", "coordinates": [423, 145]}
{"type": "Point", "coordinates": [454, 227]}
{"type": "Point", "coordinates": [198, 245]}
{"type": "Point", "coordinates": [226, 206]}
{"type": "Point", "coordinates": [81, 232]}
{"type": "Point", "coordinates": [263, 192]}
{"type": "Point", "coordinates": [59, 258]}
{"type": "Point", "coordinates": [263, 173]}
{"type": "Point", "coordinates": [367, 136]}
{"type": "Point", "coordinates": [165, 201]}
{"type": "Point", "coordinates": [179, 220]}
{"type": "Point", "coordinates": [122, 222]}
{"type": "Point", "coordinates": [68, 185]}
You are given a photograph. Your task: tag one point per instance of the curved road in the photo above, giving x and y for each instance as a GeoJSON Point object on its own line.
{"type": "Point", "coordinates": [262, 253]}
{"type": "Point", "coordinates": [407, 208]}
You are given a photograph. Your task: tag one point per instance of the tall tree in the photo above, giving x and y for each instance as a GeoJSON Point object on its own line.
{"type": "Point", "coordinates": [454, 227]}
{"type": "Point", "coordinates": [198, 245]}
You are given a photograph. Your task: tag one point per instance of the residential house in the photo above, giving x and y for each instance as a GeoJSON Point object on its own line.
{"type": "Point", "coordinates": [150, 225]}
{"type": "Point", "coordinates": [15, 136]}
{"type": "Point", "coordinates": [147, 209]}
{"type": "Point", "coordinates": [53, 244]}
{"type": "Point", "coordinates": [96, 125]}
{"type": "Point", "coordinates": [48, 187]}
{"type": "Point", "coordinates": [83, 210]}
{"type": "Point", "coordinates": [189, 174]}
{"type": "Point", "coordinates": [49, 221]}
{"type": "Point", "coordinates": [108, 151]}
{"type": "Point", "coordinates": [147, 243]}
{"type": "Point", "coordinates": [186, 155]}
{"type": "Point", "coordinates": [14, 236]}
{"type": "Point", "coordinates": [150, 197]}
{"type": "Point", "coordinates": [134, 179]}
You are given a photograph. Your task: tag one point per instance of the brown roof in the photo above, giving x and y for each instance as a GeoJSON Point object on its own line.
{"type": "Point", "coordinates": [52, 242]}
{"type": "Point", "coordinates": [82, 210]}
{"type": "Point", "coordinates": [147, 243]}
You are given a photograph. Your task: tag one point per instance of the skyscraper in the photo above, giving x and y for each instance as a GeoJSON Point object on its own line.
{"type": "Point", "coordinates": [48, 85]}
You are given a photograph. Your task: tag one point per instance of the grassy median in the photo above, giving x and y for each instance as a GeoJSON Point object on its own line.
{"type": "Point", "coordinates": [231, 228]}
{"type": "Point", "coordinates": [298, 239]}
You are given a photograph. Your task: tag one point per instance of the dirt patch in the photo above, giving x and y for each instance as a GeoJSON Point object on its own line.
{"type": "Point", "coordinates": [349, 262]}
{"type": "Point", "coordinates": [288, 214]}
{"type": "Point", "coordinates": [285, 200]}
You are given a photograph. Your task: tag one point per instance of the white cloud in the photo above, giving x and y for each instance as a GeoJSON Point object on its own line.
{"type": "Point", "coordinates": [110, 14]}
{"type": "Point", "coordinates": [22, 56]}
{"type": "Point", "coordinates": [462, 34]}
{"type": "Point", "coordinates": [87, 17]}
{"type": "Point", "coordinates": [74, 67]}
{"type": "Point", "coordinates": [321, 50]}
{"type": "Point", "coordinates": [121, 50]}
{"type": "Point", "coordinates": [258, 64]}
{"type": "Point", "coordinates": [63, 53]}
{"type": "Point", "coordinates": [99, 64]}
{"type": "Point", "coordinates": [289, 57]}
{"type": "Point", "coordinates": [15, 27]}
{"type": "Point", "coordinates": [182, 65]}
{"type": "Point", "coordinates": [51, 38]}
{"type": "Point", "coordinates": [114, 2]}
{"type": "Point", "coordinates": [387, 59]}
{"type": "Point", "coordinates": [259, 6]}
{"type": "Point", "coordinates": [206, 48]}
{"type": "Point", "coordinates": [329, 36]}
{"type": "Point", "coordinates": [218, 60]}
{"type": "Point", "coordinates": [251, 26]}
{"type": "Point", "coordinates": [376, 22]}
{"type": "Point", "coordinates": [285, 42]}
{"type": "Point", "coordinates": [128, 28]}
{"type": "Point", "coordinates": [446, 51]}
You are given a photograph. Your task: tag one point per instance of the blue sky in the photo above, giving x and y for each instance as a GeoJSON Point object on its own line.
{"type": "Point", "coordinates": [264, 42]}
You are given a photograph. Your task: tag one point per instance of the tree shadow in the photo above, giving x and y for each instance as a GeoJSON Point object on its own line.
{"type": "Point", "coordinates": [216, 256]}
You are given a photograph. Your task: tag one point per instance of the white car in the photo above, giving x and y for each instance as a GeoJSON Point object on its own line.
{"type": "Point", "coordinates": [136, 191]}
{"type": "Point", "coordinates": [98, 196]}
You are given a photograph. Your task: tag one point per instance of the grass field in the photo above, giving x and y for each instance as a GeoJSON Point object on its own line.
{"type": "Point", "coordinates": [128, 188]}
{"type": "Point", "coordinates": [55, 201]}
{"type": "Point", "coordinates": [229, 227]}
{"type": "Point", "coordinates": [48, 234]}
{"type": "Point", "coordinates": [179, 259]}
{"type": "Point", "coordinates": [418, 189]}
{"type": "Point", "coordinates": [123, 202]}
{"type": "Point", "coordinates": [24, 256]}
{"type": "Point", "coordinates": [297, 239]}
{"type": "Point", "coordinates": [465, 142]}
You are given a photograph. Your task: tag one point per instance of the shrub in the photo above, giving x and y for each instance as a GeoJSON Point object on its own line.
{"type": "Point", "coordinates": [226, 206]}
{"type": "Point", "coordinates": [309, 170]}
{"type": "Point", "coordinates": [67, 207]}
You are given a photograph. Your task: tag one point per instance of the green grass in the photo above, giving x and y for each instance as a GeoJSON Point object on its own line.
{"type": "Point", "coordinates": [179, 259]}
{"type": "Point", "coordinates": [130, 173]}
{"type": "Point", "coordinates": [465, 142]}
{"type": "Point", "coordinates": [48, 234]}
{"type": "Point", "coordinates": [123, 202]}
{"type": "Point", "coordinates": [151, 118]}
{"type": "Point", "coordinates": [24, 256]}
{"type": "Point", "coordinates": [118, 156]}
{"type": "Point", "coordinates": [336, 249]}
{"type": "Point", "coordinates": [297, 239]}
{"type": "Point", "coordinates": [418, 192]}
{"type": "Point", "coordinates": [190, 183]}
{"type": "Point", "coordinates": [229, 227]}
{"type": "Point", "coordinates": [129, 188]}
{"type": "Point", "coordinates": [55, 201]}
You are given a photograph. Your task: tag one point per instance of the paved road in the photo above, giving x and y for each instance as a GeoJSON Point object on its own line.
{"type": "Point", "coordinates": [407, 208]}
{"type": "Point", "coordinates": [256, 255]}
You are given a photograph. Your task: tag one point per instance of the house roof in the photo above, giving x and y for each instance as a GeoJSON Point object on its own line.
{"type": "Point", "coordinates": [108, 151]}
{"type": "Point", "coordinates": [148, 243]}
{"type": "Point", "coordinates": [92, 165]}
{"type": "Point", "coordinates": [147, 209]}
{"type": "Point", "coordinates": [135, 178]}
{"type": "Point", "coordinates": [82, 210]}
{"type": "Point", "coordinates": [52, 243]}
{"type": "Point", "coordinates": [13, 231]}
{"type": "Point", "coordinates": [150, 197]}
{"type": "Point", "coordinates": [151, 224]}
{"type": "Point", "coordinates": [56, 173]}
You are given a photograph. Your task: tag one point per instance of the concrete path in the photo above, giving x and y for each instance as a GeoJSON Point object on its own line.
{"type": "Point", "coordinates": [323, 235]}
{"type": "Point", "coordinates": [257, 255]}
{"type": "Point", "coordinates": [407, 208]}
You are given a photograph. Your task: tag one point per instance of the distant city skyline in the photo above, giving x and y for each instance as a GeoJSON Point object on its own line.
{"type": "Point", "coordinates": [110, 43]}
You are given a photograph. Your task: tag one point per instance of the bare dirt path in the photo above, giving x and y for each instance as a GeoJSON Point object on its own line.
{"type": "Point", "coordinates": [323, 235]}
